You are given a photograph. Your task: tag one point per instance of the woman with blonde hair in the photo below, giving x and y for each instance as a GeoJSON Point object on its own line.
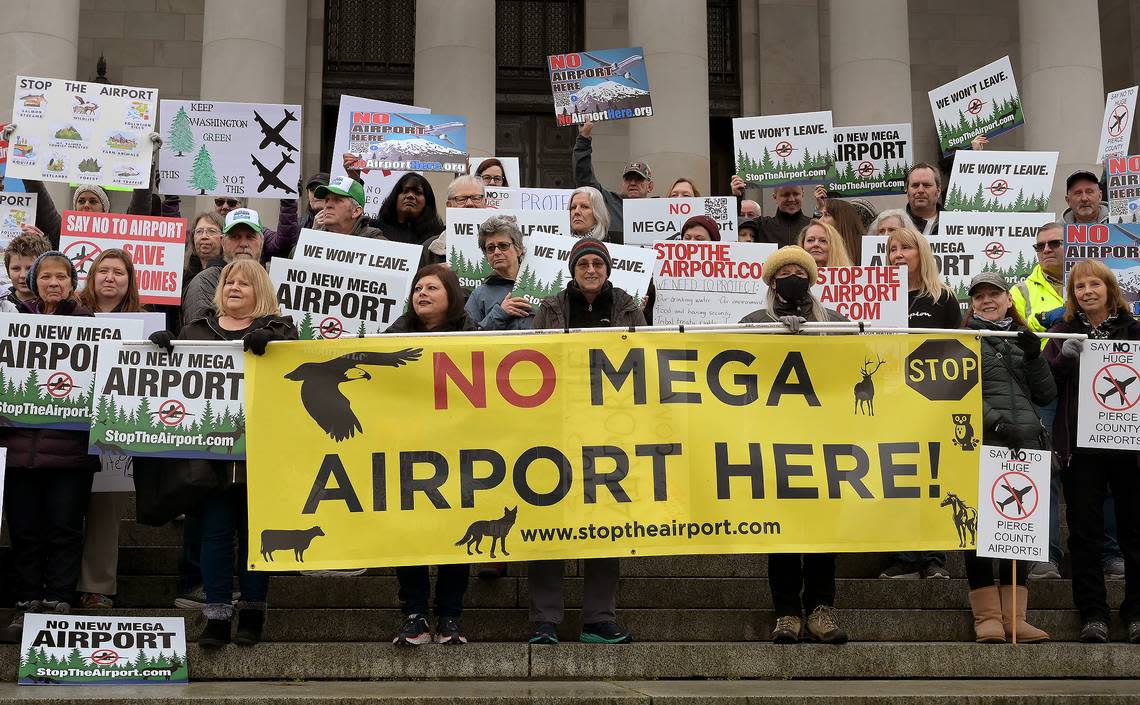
{"type": "Point", "coordinates": [824, 244]}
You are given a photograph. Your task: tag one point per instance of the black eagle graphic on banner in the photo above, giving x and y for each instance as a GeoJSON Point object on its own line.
{"type": "Point", "coordinates": [320, 387]}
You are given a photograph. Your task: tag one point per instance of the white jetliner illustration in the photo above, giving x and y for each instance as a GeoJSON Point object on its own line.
{"type": "Point", "coordinates": [621, 68]}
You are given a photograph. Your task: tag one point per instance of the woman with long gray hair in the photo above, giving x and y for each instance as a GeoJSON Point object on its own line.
{"type": "Point", "coordinates": [588, 214]}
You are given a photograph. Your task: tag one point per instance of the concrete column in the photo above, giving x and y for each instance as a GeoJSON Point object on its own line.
{"type": "Point", "coordinates": [607, 26]}
{"type": "Point", "coordinates": [38, 38]}
{"type": "Point", "coordinates": [870, 80]}
{"type": "Point", "coordinates": [243, 61]}
{"type": "Point", "coordinates": [675, 141]}
{"type": "Point", "coordinates": [1061, 83]}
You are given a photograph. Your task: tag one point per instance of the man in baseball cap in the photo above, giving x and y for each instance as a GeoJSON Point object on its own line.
{"type": "Point", "coordinates": [1083, 194]}
{"type": "Point", "coordinates": [344, 209]}
{"type": "Point", "coordinates": [636, 181]}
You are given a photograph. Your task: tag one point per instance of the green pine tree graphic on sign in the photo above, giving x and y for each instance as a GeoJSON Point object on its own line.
{"type": "Point", "coordinates": [203, 177]}
{"type": "Point", "coordinates": [181, 137]}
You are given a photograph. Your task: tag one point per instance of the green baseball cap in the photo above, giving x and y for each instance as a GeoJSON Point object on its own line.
{"type": "Point", "coordinates": [342, 186]}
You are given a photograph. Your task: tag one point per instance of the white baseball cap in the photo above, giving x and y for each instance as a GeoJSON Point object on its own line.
{"type": "Point", "coordinates": [242, 216]}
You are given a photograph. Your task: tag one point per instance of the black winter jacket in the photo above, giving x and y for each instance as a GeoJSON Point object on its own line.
{"type": "Point", "coordinates": [1011, 386]}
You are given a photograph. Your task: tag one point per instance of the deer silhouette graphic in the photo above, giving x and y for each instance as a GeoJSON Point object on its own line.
{"type": "Point", "coordinates": [865, 389]}
{"type": "Point", "coordinates": [239, 429]}
{"type": "Point", "coordinates": [965, 519]}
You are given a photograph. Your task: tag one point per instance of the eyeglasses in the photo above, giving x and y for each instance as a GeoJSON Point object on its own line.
{"type": "Point", "coordinates": [1047, 245]}
{"type": "Point", "coordinates": [207, 231]}
{"type": "Point", "coordinates": [493, 180]}
{"type": "Point", "coordinates": [467, 199]}
{"type": "Point", "coordinates": [231, 202]}
{"type": "Point", "coordinates": [589, 264]}
{"type": "Point", "coordinates": [497, 246]}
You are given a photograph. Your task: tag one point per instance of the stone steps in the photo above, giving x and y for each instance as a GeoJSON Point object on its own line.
{"type": "Point", "coordinates": [622, 692]}
{"type": "Point", "coordinates": [646, 625]}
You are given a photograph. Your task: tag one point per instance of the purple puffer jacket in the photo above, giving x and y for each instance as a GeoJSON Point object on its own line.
{"type": "Point", "coordinates": [42, 448]}
{"type": "Point", "coordinates": [278, 243]}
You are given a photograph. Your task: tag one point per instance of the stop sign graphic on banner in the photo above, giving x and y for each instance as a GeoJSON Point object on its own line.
{"type": "Point", "coordinates": [942, 370]}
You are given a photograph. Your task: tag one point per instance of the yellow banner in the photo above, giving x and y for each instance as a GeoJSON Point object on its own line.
{"type": "Point", "coordinates": [408, 451]}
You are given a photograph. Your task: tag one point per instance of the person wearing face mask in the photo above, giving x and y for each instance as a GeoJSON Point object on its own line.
{"type": "Point", "coordinates": [491, 305]}
{"type": "Point", "coordinates": [1016, 379]}
{"type": "Point", "coordinates": [800, 584]}
{"type": "Point", "coordinates": [242, 238]}
{"type": "Point", "coordinates": [588, 214]}
{"type": "Point", "coordinates": [824, 244]}
{"type": "Point", "coordinates": [1095, 306]}
{"type": "Point", "coordinates": [47, 484]}
{"type": "Point", "coordinates": [636, 181]}
{"type": "Point", "coordinates": [18, 258]}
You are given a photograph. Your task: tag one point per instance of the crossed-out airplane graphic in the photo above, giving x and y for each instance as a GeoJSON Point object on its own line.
{"type": "Point", "coordinates": [272, 135]}
{"type": "Point", "coordinates": [622, 68]}
{"type": "Point", "coordinates": [1116, 120]}
{"type": "Point", "coordinates": [1119, 388]}
{"type": "Point", "coordinates": [1014, 495]}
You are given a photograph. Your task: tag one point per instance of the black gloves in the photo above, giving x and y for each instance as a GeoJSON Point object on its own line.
{"type": "Point", "coordinates": [1014, 438]}
{"type": "Point", "coordinates": [1029, 343]}
{"type": "Point", "coordinates": [256, 341]}
{"type": "Point", "coordinates": [163, 339]}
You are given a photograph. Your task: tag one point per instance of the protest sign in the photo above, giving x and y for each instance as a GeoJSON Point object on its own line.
{"type": "Point", "coordinates": [529, 199]}
{"type": "Point", "coordinates": [377, 182]}
{"type": "Point", "coordinates": [1013, 504]}
{"type": "Point", "coordinates": [1016, 182]}
{"type": "Point", "coordinates": [633, 447]}
{"type": "Point", "coordinates": [784, 150]}
{"type": "Point", "coordinates": [960, 257]}
{"type": "Point", "coordinates": [510, 169]}
{"type": "Point", "coordinates": [501, 197]}
{"type": "Point", "coordinates": [992, 224]}
{"type": "Point", "coordinates": [185, 404]}
{"type": "Point", "coordinates": [399, 258]}
{"type": "Point", "coordinates": [230, 149]}
{"type": "Point", "coordinates": [463, 253]}
{"type": "Point", "coordinates": [47, 367]}
{"type": "Point", "coordinates": [871, 160]}
{"type": "Point", "coordinates": [646, 220]}
{"type": "Point", "coordinates": [545, 270]}
{"type": "Point", "coordinates": [1107, 411]}
{"type": "Point", "coordinates": [77, 132]}
{"type": "Point", "coordinates": [708, 282]}
{"type": "Point", "coordinates": [157, 247]}
{"type": "Point", "coordinates": [1116, 130]}
{"type": "Point", "coordinates": [329, 301]}
{"type": "Point", "coordinates": [1124, 189]}
{"type": "Point", "coordinates": [983, 102]}
{"type": "Point", "coordinates": [409, 141]}
{"type": "Point", "coordinates": [72, 649]}
{"type": "Point", "coordinates": [1117, 245]}
{"type": "Point", "coordinates": [605, 84]}
{"type": "Point", "coordinates": [869, 294]}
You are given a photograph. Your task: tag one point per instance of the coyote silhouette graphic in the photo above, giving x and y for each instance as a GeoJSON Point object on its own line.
{"type": "Point", "coordinates": [497, 529]}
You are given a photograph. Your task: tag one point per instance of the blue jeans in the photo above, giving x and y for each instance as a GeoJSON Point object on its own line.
{"type": "Point", "coordinates": [224, 515]}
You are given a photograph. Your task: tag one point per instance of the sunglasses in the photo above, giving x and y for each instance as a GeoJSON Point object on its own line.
{"type": "Point", "coordinates": [231, 202]}
{"type": "Point", "coordinates": [1047, 245]}
{"type": "Point", "coordinates": [500, 246]}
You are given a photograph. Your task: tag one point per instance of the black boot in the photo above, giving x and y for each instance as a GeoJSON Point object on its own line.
{"type": "Point", "coordinates": [216, 634]}
{"type": "Point", "coordinates": [251, 622]}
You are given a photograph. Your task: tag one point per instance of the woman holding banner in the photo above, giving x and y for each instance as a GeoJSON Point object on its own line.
{"type": "Point", "coordinates": [247, 310]}
{"type": "Point", "coordinates": [824, 244]}
{"type": "Point", "coordinates": [588, 214]}
{"type": "Point", "coordinates": [111, 287]}
{"type": "Point", "coordinates": [931, 304]}
{"type": "Point", "coordinates": [800, 583]}
{"type": "Point", "coordinates": [48, 479]}
{"type": "Point", "coordinates": [1015, 380]}
{"type": "Point", "coordinates": [1095, 306]}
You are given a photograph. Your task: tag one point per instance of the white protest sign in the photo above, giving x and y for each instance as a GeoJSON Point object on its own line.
{"type": "Point", "coordinates": [708, 282]}
{"type": "Point", "coordinates": [377, 182]}
{"type": "Point", "coordinates": [869, 294]}
{"type": "Point", "coordinates": [545, 270]}
{"type": "Point", "coordinates": [783, 150]}
{"type": "Point", "coordinates": [1107, 411]}
{"type": "Point", "coordinates": [510, 169]}
{"type": "Point", "coordinates": [1123, 188]}
{"type": "Point", "coordinates": [157, 247]}
{"type": "Point", "coordinates": [871, 160]}
{"type": "Point", "coordinates": [330, 301]}
{"type": "Point", "coordinates": [960, 257]}
{"type": "Point", "coordinates": [73, 649]}
{"type": "Point", "coordinates": [983, 102]}
{"type": "Point", "coordinates": [230, 149]}
{"type": "Point", "coordinates": [1116, 130]}
{"type": "Point", "coordinates": [463, 253]}
{"type": "Point", "coordinates": [501, 197]}
{"type": "Point", "coordinates": [16, 209]}
{"type": "Point", "coordinates": [77, 132]}
{"type": "Point", "coordinates": [529, 199]}
{"type": "Point", "coordinates": [1017, 182]}
{"type": "Point", "coordinates": [1013, 504]}
{"type": "Point", "coordinates": [47, 367]}
{"type": "Point", "coordinates": [992, 224]}
{"type": "Point", "coordinates": [397, 258]}
{"type": "Point", "coordinates": [647, 220]}
{"type": "Point", "coordinates": [186, 404]}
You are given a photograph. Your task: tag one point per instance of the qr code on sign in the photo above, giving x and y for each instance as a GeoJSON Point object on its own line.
{"type": "Point", "coordinates": [716, 208]}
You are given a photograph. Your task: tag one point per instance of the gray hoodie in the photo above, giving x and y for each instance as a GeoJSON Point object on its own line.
{"type": "Point", "coordinates": [1102, 216]}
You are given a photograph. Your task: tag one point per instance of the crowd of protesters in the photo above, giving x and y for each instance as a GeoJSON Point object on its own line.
{"type": "Point", "coordinates": [65, 538]}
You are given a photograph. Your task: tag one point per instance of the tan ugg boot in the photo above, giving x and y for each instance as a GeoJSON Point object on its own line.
{"type": "Point", "coordinates": [1026, 632]}
{"type": "Point", "coordinates": [986, 604]}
